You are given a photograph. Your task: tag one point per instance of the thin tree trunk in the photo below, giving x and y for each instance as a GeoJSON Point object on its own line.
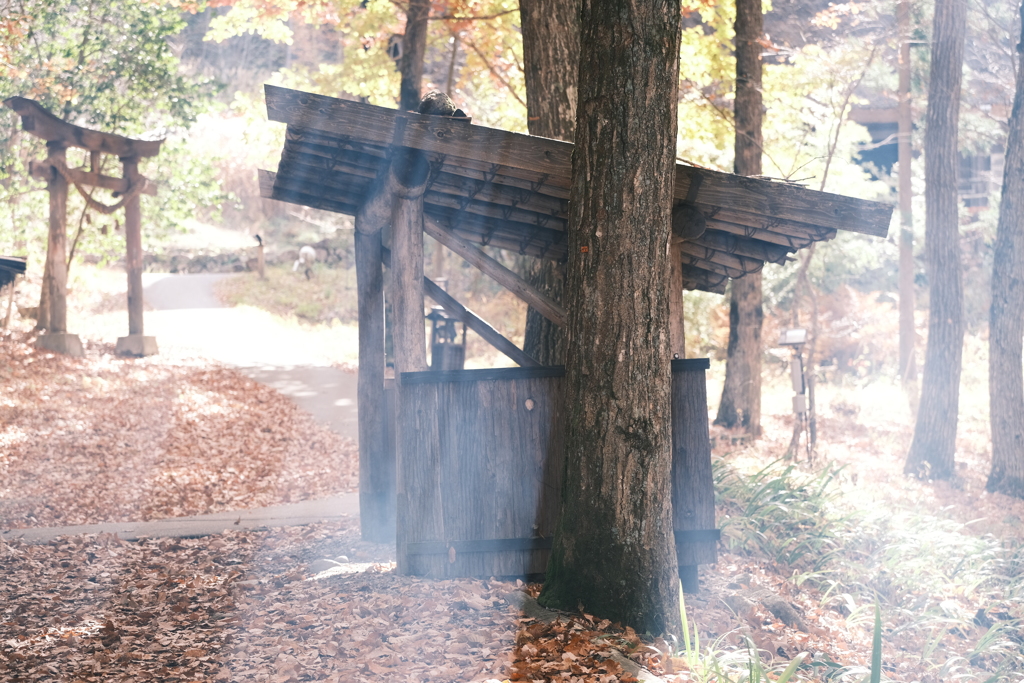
{"type": "Point", "coordinates": [741, 393]}
{"type": "Point", "coordinates": [613, 551]}
{"type": "Point", "coordinates": [1006, 325]}
{"type": "Point", "coordinates": [551, 48]}
{"type": "Point", "coordinates": [932, 450]}
{"type": "Point", "coordinates": [414, 46]}
{"type": "Point", "coordinates": [908, 367]}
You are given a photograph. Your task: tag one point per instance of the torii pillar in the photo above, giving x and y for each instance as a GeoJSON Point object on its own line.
{"type": "Point", "coordinates": [136, 343]}
{"type": "Point", "coordinates": [55, 280]}
{"type": "Point", "coordinates": [60, 135]}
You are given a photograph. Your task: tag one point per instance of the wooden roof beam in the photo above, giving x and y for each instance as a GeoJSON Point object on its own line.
{"type": "Point", "coordinates": [420, 131]}
{"type": "Point", "coordinates": [42, 124]}
{"type": "Point", "coordinates": [788, 242]}
{"type": "Point", "coordinates": [543, 304]}
{"type": "Point", "coordinates": [770, 199]}
{"type": "Point", "coordinates": [738, 264]}
{"type": "Point", "coordinates": [445, 189]}
{"type": "Point", "coordinates": [698, 278]}
{"type": "Point", "coordinates": [718, 268]}
{"type": "Point", "coordinates": [785, 201]}
{"type": "Point", "coordinates": [742, 246]}
{"type": "Point", "coordinates": [471, 320]}
{"type": "Point", "coordinates": [326, 145]}
{"type": "Point", "coordinates": [270, 190]}
{"type": "Point", "coordinates": [791, 228]}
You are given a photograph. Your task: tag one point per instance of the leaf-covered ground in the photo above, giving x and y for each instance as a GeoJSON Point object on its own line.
{"type": "Point", "coordinates": [104, 439]}
{"type": "Point", "coordinates": [806, 550]}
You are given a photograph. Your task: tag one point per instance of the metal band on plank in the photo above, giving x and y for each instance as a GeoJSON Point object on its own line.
{"type": "Point", "coordinates": [698, 536]}
{"type": "Point", "coordinates": [689, 364]}
{"type": "Point", "coordinates": [432, 377]}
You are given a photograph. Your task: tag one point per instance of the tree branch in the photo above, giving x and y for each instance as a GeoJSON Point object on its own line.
{"type": "Point", "coordinates": [485, 17]}
{"type": "Point", "coordinates": [494, 72]}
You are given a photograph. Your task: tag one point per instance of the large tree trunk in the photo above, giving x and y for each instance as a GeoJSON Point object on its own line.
{"type": "Point", "coordinates": [932, 449]}
{"type": "Point", "coordinates": [1006, 324]}
{"type": "Point", "coordinates": [551, 49]}
{"type": "Point", "coordinates": [613, 551]}
{"type": "Point", "coordinates": [414, 45]}
{"type": "Point", "coordinates": [741, 394]}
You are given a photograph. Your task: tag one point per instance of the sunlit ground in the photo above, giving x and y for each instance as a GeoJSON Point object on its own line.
{"type": "Point", "coordinates": [941, 557]}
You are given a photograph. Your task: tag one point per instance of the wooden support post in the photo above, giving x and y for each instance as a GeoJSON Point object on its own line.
{"type": "Point", "coordinates": [261, 262]}
{"type": "Point", "coordinates": [376, 461]}
{"type": "Point", "coordinates": [693, 487]}
{"type": "Point", "coordinates": [53, 309]}
{"type": "Point", "coordinates": [543, 304]}
{"type": "Point", "coordinates": [56, 248]}
{"type": "Point", "coordinates": [472, 321]}
{"type": "Point", "coordinates": [676, 324]}
{"type": "Point", "coordinates": [407, 279]}
{"type": "Point", "coordinates": [397, 200]}
{"type": "Point", "coordinates": [688, 224]}
{"type": "Point", "coordinates": [133, 247]}
{"type": "Point", "coordinates": [475, 323]}
{"type": "Point", "coordinates": [136, 343]}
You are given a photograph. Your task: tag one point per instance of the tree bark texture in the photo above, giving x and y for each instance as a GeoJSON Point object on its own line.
{"type": "Point", "coordinates": [56, 248]}
{"type": "Point", "coordinates": [1006, 324]}
{"type": "Point", "coordinates": [741, 394]}
{"type": "Point", "coordinates": [133, 247]}
{"type": "Point", "coordinates": [933, 446]}
{"type": "Point", "coordinates": [613, 547]}
{"type": "Point", "coordinates": [551, 48]}
{"type": "Point", "coordinates": [414, 45]}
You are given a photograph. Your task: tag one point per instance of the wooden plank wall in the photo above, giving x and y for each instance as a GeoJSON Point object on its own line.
{"type": "Point", "coordinates": [480, 468]}
{"type": "Point", "coordinates": [693, 487]}
{"type": "Point", "coordinates": [474, 466]}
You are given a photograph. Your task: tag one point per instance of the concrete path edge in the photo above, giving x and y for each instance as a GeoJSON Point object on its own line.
{"type": "Point", "coordinates": [345, 505]}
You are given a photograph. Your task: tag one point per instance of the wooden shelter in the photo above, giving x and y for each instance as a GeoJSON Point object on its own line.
{"type": "Point", "coordinates": [402, 174]}
{"type": "Point", "coordinates": [59, 135]}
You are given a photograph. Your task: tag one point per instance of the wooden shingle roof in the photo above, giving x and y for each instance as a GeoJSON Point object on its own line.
{"type": "Point", "coordinates": [511, 191]}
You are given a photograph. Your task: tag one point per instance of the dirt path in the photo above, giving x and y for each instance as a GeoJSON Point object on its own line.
{"type": "Point", "coordinates": [186, 316]}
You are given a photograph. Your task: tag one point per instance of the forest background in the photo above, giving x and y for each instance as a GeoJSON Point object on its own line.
{"type": "Point", "coordinates": [192, 72]}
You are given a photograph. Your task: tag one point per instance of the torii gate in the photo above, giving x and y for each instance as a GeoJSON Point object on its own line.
{"type": "Point", "coordinates": [60, 135]}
